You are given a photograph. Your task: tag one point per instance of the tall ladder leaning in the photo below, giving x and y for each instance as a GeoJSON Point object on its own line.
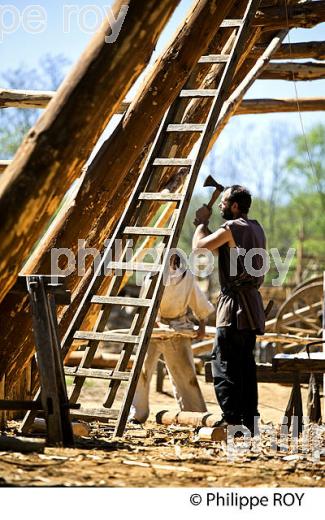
{"type": "Point", "coordinates": [131, 225]}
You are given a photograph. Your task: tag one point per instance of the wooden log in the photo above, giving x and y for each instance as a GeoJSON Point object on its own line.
{"type": "Point", "coordinates": [266, 374]}
{"type": "Point", "coordinates": [194, 419]}
{"type": "Point", "coordinates": [25, 98]}
{"type": "Point", "coordinates": [21, 444]}
{"type": "Point", "coordinates": [212, 434]}
{"type": "Point", "coordinates": [315, 364]}
{"type": "Point", "coordinates": [96, 220]}
{"type": "Point", "coordinates": [79, 429]}
{"type": "Point", "coordinates": [264, 106]}
{"type": "Point", "coordinates": [54, 151]}
{"type": "Point", "coordinates": [290, 71]}
{"type": "Point", "coordinates": [294, 51]}
{"type": "Point", "coordinates": [306, 14]}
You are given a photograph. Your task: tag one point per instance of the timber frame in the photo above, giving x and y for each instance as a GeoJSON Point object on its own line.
{"type": "Point", "coordinates": [125, 151]}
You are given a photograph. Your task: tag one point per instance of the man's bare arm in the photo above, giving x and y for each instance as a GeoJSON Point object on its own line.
{"type": "Point", "coordinates": [203, 238]}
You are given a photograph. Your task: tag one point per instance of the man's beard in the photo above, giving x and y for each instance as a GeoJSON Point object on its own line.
{"type": "Point", "coordinates": [226, 214]}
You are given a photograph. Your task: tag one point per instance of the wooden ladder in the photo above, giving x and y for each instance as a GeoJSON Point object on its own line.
{"type": "Point", "coordinates": [131, 227]}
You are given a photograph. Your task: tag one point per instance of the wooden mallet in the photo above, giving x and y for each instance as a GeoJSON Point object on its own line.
{"type": "Point", "coordinates": [210, 182]}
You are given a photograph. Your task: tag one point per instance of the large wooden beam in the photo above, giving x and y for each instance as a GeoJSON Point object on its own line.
{"type": "Point", "coordinates": [306, 14]}
{"type": "Point", "coordinates": [264, 106]}
{"type": "Point", "coordinates": [92, 215]}
{"type": "Point", "coordinates": [294, 71]}
{"type": "Point", "coordinates": [54, 151]}
{"type": "Point", "coordinates": [294, 51]}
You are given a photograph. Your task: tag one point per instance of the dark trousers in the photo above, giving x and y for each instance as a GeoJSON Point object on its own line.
{"type": "Point", "coordinates": [234, 375]}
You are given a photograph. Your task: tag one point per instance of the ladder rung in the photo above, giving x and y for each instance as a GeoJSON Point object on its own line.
{"type": "Point", "coordinates": [235, 22]}
{"type": "Point", "coordinates": [96, 373]}
{"type": "Point", "coordinates": [94, 413]}
{"type": "Point", "coordinates": [197, 93]}
{"type": "Point", "coordinates": [169, 161]}
{"type": "Point", "coordinates": [134, 266]}
{"type": "Point", "coordinates": [106, 336]}
{"type": "Point", "coordinates": [214, 58]}
{"type": "Point", "coordinates": [121, 300]}
{"type": "Point", "coordinates": [161, 196]}
{"type": "Point", "coordinates": [150, 231]}
{"type": "Point", "coordinates": [185, 127]}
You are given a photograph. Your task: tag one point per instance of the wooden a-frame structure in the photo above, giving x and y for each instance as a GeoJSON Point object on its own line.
{"type": "Point", "coordinates": [55, 151]}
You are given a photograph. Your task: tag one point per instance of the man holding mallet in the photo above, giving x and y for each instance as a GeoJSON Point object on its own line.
{"type": "Point", "coordinates": [240, 245]}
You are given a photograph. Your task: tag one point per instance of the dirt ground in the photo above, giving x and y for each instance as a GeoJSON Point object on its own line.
{"type": "Point", "coordinates": [161, 456]}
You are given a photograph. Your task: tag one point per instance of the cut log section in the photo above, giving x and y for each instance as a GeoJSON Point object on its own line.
{"type": "Point", "coordinates": [194, 419]}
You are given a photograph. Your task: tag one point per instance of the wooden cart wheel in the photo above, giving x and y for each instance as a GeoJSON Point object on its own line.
{"type": "Point", "coordinates": [301, 313]}
{"type": "Point", "coordinates": [314, 279]}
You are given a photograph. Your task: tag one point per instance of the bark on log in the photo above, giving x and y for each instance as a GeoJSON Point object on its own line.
{"type": "Point", "coordinates": [264, 106]}
{"type": "Point", "coordinates": [294, 51]}
{"type": "Point", "coordinates": [307, 14]}
{"type": "Point", "coordinates": [53, 152]}
{"type": "Point", "coordinates": [93, 212]}
{"type": "Point", "coordinates": [25, 98]}
{"type": "Point", "coordinates": [294, 71]}
{"type": "Point", "coordinates": [187, 418]}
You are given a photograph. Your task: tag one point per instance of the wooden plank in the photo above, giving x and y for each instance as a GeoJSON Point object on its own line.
{"type": "Point", "coordinates": [185, 127]}
{"type": "Point", "coordinates": [214, 58]}
{"type": "Point", "coordinates": [95, 414]}
{"type": "Point", "coordinates": [25, 98]}
{"type": "Point", "coordinates": [266, 374]}
{"type": "Point", "coordinates": [149, 231]}
{"type": "Point", "coordinates": [165, 197]}
{"type": "Point", "coordinates": [306, 14]}
{"type": "Point", "coordinates": [299, 364]}
{"type": "Point", "coordinates": [290, 71]}
{"type": "Point", "coordinates": [106, 336]}
{"type": "Point", "coordinates": [134, 266]}
{"type": "Point", "coordinates": [235, 22]}
{"type": "Point", "coordinates": [97, 374]}
{"type": "Point", "coordinates": [172, 161]}
{"type": "Point", "coordinates": [198, 93]}
{"type": "Point", "coordinates": [266, 106]}
{"type": "Point", "coordinates": [121, 300]}
{"type": "Point", "coordinates": [294, 51]}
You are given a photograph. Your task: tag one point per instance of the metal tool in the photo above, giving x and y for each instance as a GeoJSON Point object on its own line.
{"type": "Point", "coordinates": [210, 182]}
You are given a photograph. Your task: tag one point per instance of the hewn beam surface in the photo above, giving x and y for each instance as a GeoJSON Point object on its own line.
{"type": "Point", "coordinates": [290, 71]}
{"type": "Point", "coordinates": [93, 214]}
{"type": "Point", "coordinates": [54, 151]}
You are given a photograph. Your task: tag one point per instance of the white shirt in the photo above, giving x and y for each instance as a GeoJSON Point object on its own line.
{"type": "Point", "coordinates": [182, 292]}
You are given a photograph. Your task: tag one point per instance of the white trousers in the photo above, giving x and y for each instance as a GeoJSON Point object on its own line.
{"type": "Point", "coordinates": [180, 364]}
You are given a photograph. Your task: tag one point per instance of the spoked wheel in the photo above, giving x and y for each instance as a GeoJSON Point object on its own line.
{"type": "Point", "coordinates": [301, 313]}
